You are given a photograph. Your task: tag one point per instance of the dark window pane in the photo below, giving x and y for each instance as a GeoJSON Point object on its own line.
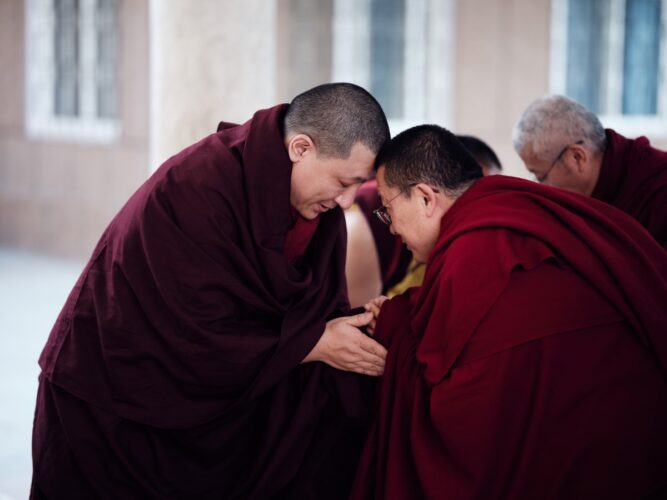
{"type": "Point", "coordinates": [587, 44]}
{"type": "Point", "coordinates": [641, 57]}
{"type": "Point", "coordinates": [66, 57]}
{"type": "Point", "coordinates": [105, 85]}
{"type": "Point", "coordinates": [387, 54]}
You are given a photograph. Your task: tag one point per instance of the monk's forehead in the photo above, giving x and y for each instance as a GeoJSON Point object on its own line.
{"type": "Point", "coordinates": [383, 188]}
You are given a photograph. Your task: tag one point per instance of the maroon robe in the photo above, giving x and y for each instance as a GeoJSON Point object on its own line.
{"type": "Point", "coordinates": [633, 178]}
{"type": "Point", "coordinates": [174, 368]}
{"type": "Point", "coordinates": [536, 370]}
{"type": "Point", "coordinates": [393, 255]}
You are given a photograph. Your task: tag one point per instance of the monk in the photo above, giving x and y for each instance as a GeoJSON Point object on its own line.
{"type": "Point", "coordinates": [532, 362]}
{"type": "Point", "coordinates": [378, 262]}
{"type": "Point", "coordinates": [204, 351]}
{"type": "Point", "coordinates": [564, 144]}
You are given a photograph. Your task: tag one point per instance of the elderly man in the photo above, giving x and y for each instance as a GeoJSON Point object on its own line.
{"type": "Point", "coordinates": [202, 353]}
{"type": "Point", "coordinates": [563, 144]}
{"type": "Point", "coordinates": [532, 362]}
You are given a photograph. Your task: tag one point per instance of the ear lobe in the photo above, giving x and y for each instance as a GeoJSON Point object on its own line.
{"type": "Point", "coordinates": [428, 198]}
{"type": "Point", "coordinates": [299, 146]}
{"type": "Point", "coordinates": [580, 157]}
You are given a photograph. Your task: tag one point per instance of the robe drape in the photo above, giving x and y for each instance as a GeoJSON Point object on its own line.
{"type": "Point", "coordinates": [633, 178]}
{"type": "Point", "coordinates": [174, 367]}
{"type": "Point", "coordinates": [532, 363]}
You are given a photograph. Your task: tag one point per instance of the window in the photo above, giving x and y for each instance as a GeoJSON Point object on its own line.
{"type": "Point", "coordinates": [611, 55]}
{"type": "Point", "coordinates": [71, 69]}
{"type": "Point", "coordinates": [401, 51]}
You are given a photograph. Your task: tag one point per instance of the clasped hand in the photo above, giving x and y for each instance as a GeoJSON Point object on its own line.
{"type": "Point", "coordinates": [344, 346]}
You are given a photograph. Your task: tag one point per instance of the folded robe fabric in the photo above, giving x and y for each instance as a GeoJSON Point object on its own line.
{"type": "Point", "coordinates": [174, 368]}
{"type": "Point", "coordinates": [633, 178]}
{"type": "Point", "coordinates": [532, 363]}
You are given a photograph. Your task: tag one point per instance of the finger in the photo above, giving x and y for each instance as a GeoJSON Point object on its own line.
{"type": "Point", "coordinates": [377, 301]}
{"type": "Point", "coordinates": [373, 347]}
{"type": "Point", "coordinates": [371, 373]}
{"type": "Point", "coordinates": [373, 309]}
{"type": "Point", "coordinates": [370, 370]}
{"type": "Point", "coordinates": [365, 365]}
{"type": "Point", "coordinates": [360, 319]}
{"type": "Point", "coordinates": [373, 360]}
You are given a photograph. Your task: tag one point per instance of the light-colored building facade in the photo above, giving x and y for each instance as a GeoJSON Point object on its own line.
{"type": "Point", "coordinates": [97, 93]}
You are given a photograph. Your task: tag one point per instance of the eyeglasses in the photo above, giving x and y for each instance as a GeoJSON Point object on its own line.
{"type": "Point", "coordinates": [382, 214]}
{"type": "Point", "coordinates": [544, 176]}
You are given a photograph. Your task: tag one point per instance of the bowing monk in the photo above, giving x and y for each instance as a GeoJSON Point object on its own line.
{"type": "Point", "coordinates": [564, 144]}
{"type": "Point", "coordinates": [204, 351]}
{"type": "Point", "coordinates": [532, 362]}
{"type": "Point", "coordinates": [377, 261]}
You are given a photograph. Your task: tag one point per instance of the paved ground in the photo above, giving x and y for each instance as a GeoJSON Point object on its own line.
{"type": "Point", "coordinates": [33, 288]}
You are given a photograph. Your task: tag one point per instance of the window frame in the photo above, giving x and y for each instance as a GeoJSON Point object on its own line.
{"type": "Point", "coordinates": [654, 126]}
{"type": "Point", "coordinates": [429, 56]}
{"type": "Point", "coordinates": [41, 122]}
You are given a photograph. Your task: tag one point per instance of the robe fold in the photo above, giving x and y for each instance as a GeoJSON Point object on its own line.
{"type": "Point", "coordinates": [174, 367]}
{"type": "Point", "coordinates": [532, 363]}
{"type": "Point", "coordinates": [633, 178]}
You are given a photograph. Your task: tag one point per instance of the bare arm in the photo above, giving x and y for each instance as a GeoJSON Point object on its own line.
{"type": "Point", "coordinates": [362, 265]}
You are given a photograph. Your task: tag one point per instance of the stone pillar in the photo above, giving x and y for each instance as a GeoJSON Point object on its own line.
{"type": "Point", "coordinates": [210, 60]}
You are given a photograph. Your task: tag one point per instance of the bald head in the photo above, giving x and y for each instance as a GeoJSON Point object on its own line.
{"type": "Point", "coordinates": [561, 142]}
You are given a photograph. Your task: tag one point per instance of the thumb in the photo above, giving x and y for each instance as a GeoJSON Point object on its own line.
{"type": "Point", "coordinates": [360, 319]}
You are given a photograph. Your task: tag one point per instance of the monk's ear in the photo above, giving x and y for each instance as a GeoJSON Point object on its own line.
{"type": "Point", "coordinates": [298, 146]}
{"type": "Point", "coordinates": [428, 198]}
{"type": "Point", "coordinates": [580, 157]}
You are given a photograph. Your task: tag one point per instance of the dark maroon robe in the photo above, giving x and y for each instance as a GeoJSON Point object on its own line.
{"type": "Point", "coordinates": [633, 178]}
{"type": "Point", "coordinates": [535, 370]}
{"type": "Point", "coordinates": [174, 368]}
{"type": "Point", "coordinates": [393, 255]}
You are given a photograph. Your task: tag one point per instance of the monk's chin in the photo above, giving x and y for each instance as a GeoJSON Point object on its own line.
{"type": "Point", "coordinates": [309, 214]}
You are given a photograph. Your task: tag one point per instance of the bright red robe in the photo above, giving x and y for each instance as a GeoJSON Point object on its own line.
{"type": "Point", "coordinates": [531, 363]}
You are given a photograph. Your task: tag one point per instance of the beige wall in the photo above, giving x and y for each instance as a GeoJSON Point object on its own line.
{"type": "Point", "coordinates": [210, 61]}
{"type": "Point", "coordinates": [213, 60]}
{"type": "Point", "coordinates": [57, 197]}
{"type": "Point", "coordinates": [502, 64]}
{"type": "Point", "coordinates": [304, 49]}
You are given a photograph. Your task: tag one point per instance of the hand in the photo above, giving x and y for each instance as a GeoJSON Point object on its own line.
{"type": "Point", "coordinates": [344, 346]}
{"type": "Point", "coordinates": [374, 306]}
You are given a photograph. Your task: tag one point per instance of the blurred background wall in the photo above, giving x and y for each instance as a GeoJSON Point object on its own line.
{"type": "Point", "coordinates": [97, 93]}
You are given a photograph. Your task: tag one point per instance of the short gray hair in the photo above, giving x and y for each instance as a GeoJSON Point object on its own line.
{"type": "Point", "coordinates": [552, 122]}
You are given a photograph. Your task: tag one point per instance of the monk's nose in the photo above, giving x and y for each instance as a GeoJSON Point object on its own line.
{"type": "Point", "coordinates": [346, 198]}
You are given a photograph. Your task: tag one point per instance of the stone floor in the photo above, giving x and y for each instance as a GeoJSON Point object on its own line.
{"type": "Point", "coordinates": [33, 289]}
